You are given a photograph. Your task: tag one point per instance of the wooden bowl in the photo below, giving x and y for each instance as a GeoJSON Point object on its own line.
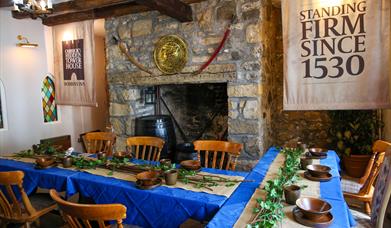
{"type": "Point", "coordinates": [318, 151]}
{"type": "Point", "coordinates": [147, 178]}
{"type": "Point", "coordinates": [313, 208]}
{"type": "Point", "coordinates": [191, 164]}
{"type": "Point", "coordinates": [121, 155]}
{"type": "Point", "coordinates": [318, 170]}
{"type": "Point", "coordinates": [44, 162]}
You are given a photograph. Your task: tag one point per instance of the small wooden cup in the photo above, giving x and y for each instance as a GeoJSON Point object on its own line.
{"type": "Point", "coordinates": [67, 162]}
{"type": "Point", "coordinates": [304, 162]}
{"type": "Point", "coordinates": [292, 193]}
{"type": "Point", "coordinates": [171, 176]}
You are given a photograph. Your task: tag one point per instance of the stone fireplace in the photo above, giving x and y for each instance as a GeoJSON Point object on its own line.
{"type": "Point", "coordinates": [201, 110]}
{"type": "Point", "coordinates": [242, 68]}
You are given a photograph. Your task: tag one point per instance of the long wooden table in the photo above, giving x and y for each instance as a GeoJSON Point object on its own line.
{"type": "Point", "coordinates": [330, 191]}
{"type": "Point", "coordinates": [160, 207]}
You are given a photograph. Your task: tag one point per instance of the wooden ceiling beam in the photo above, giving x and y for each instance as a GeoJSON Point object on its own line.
{"type": "Point", "coordinates": [173, 8]}
{"type": "Point", "coordinates": [79, 10]}
{"type": "Point", "coordinates": [103, 12]}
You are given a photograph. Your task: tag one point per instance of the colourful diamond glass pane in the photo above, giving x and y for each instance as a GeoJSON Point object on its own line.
{"type": "Point", "coordinates": [48, 101]}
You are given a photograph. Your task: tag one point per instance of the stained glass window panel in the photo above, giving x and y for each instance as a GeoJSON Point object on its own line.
{"type": "Point", "coordinates": [48, 101]}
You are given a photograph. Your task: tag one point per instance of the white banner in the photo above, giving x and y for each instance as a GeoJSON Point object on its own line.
{"type": "Point", "coordinates": [74, 63]}
{"type": "Point", "coordinates": [336, 54]}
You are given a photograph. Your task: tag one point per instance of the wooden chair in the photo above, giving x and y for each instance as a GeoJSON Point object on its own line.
{"type": "Point", "coordinates": [100, 142]}
{"type": "Point", "coordinates": [365, 183]}
{"type": "Point", "coordinates": [81, 215]}
{"type": "Point", "coordinates": [223, 152]}
{"type": "Point", "coordinates": [381, 197]}
{"type": "Point", "coordinates": [82, 139]}
{"type": "Point", "coordinates": [145, 147]}
{"type": "Point", "coordinates": [13, 211]}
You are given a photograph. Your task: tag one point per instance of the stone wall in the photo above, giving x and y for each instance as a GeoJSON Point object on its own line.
{"type": "Point", "coordinates": [250, 64]}
{"type": "Point", "coordinates": [288, 127]}
{"type": "Point", "coordinates": [238, 65]}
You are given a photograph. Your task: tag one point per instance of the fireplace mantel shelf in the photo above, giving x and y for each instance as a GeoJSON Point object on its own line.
{"type": "Point", "coordinates": [213, 74]}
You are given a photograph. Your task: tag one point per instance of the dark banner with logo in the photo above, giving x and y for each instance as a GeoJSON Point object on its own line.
{"type": "Point", "coordinates": [73, 63]}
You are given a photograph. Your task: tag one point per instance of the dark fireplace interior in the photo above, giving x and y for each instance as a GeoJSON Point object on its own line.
{"type": "Point", "coordinates": [201, 110]}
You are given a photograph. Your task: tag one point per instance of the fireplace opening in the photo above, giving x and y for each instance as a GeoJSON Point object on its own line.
{"type": "Point", "coordinates": [200, 110]}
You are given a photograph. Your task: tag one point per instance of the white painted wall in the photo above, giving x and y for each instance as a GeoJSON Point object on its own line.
{"type": "Point", "coordinates": [22, 71]}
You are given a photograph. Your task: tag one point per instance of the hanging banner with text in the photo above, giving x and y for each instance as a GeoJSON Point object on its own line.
{"type": "Point", "coordinates": [336, 54]}
{"type": "Point", "coordinates": [74, 63]}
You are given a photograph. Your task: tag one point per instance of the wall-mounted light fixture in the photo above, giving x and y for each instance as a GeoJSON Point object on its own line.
{"type": "Point", "coordinates": [150, 95]}
{"type": "Point", "coordinates": [24, 42]}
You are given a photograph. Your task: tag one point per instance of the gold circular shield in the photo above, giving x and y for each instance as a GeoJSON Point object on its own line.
{"type": "Point", "coordinates": [170, 54]}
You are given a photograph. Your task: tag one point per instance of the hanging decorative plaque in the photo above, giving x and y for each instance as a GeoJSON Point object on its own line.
{"type": "Point", "coordinates": [170, 54]}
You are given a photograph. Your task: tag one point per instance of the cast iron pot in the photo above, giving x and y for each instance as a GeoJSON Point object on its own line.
{"type": "Point", "coordinates": [185, 151]}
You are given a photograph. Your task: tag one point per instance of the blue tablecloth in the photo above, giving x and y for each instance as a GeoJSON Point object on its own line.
{"type": "Point", "coordinates": [330, 191]}
{"type": "Point", "coordinates": [160, 207]}
{"type": "Point", "coordinates": [59, 179]}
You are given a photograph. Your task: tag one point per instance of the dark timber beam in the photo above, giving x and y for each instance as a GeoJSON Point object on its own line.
{"type": "Point", "coordinates": [103, 12]}
{"type": "Point", "coordinates": [79, 10]}
{"type": "Point", "coordinates": [173, 8]}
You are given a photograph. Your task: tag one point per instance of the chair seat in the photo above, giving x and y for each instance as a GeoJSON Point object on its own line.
{"type": "Point", "coordinates": [363, 220]}
{"type": "Point", "coordinates": [41, 201]}
{"type": "Point", "coordinates": [350, 185]}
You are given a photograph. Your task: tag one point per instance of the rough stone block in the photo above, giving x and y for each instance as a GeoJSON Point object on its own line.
{"type": "Point", "coordinates": [226, 11]}
{"type": "Point", "coordinates": [252, 34]}
{"type": "Point", "coordinates": [233, 114]}
{"type": "Point", "coordinates": [251, 15]}
{"type": "Point", "coordinates": [210, 40]}
{"type": "Point", "coordinates": [124, 31]}
{"type": "Point", "coordinates": [249, 90]}
{"type": "Point", "coordinates": [205, 19]}
{"type": "Point", "coordinates": [120, 144]}
{"type": "Point", "coordinates": [119, 109]}
{"type": "Point", "coordinates": [131, 94]}
{"type": "Point", "coordinates": [251, 110]}
{"type": "Point", "coordinates": [200, 59]}
{"type": "Point", "coordinates": [142, 28]}
{"type": "Point", "coordinates": [118, 126]}
{"type": "Point", "coordinates": [243, 127]}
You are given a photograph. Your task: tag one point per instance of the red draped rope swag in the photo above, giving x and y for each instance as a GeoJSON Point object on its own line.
{"type": "Point", "coordinates": [124, 49]}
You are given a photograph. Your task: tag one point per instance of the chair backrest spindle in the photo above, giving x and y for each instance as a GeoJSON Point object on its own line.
{"type": "Point", "coordinates": [145, 147]}
{"type": "Point", "coordinates": [10, 207]}
{"type": "Point", "coordinates": [210, 151]}
{"type": "Point", "coordinates": [100, 142]}
{"type": "Point", "coordinates": [78, 215]}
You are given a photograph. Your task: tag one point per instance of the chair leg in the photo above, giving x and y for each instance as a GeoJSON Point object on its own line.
{"type": "Point", "coordinates": [37, 222]}
{"type": "Point", "coordinates": [368, 208]}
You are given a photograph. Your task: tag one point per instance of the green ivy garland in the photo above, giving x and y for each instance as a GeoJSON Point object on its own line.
{"type": "Point", "coordinates": [269, 211]}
